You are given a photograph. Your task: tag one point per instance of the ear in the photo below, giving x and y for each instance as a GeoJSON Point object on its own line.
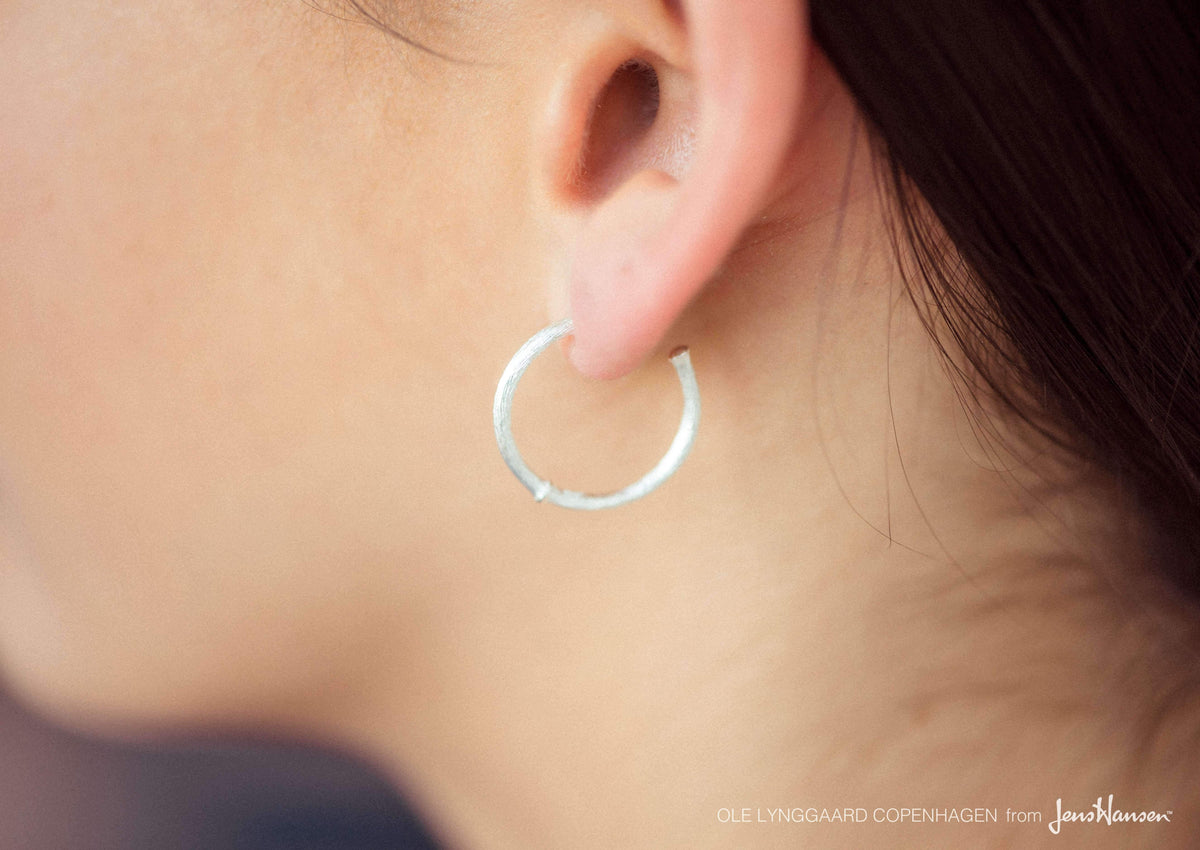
{"type": "Point", "coordinates": [670, 159]}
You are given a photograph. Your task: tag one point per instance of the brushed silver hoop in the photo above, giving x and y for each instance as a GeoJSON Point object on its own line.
{"type": "Point", "coordinates": [544, 491]}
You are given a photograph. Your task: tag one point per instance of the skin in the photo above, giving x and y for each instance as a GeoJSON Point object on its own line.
{"type": "Point", "coordinates": [260, 270]}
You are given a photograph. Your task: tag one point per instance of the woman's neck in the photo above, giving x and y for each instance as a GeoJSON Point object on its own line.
{"type": "Point", "coordinates": [838, 602]}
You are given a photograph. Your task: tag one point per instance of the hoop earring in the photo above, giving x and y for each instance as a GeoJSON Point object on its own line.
{"type": "Point", "coordinates": [544, 491]}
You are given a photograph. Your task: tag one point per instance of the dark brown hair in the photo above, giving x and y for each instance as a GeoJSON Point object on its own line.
{"type": "Point", "coordinates": [1057, 144]}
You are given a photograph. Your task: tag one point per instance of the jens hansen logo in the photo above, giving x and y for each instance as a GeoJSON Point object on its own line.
{"type": "Point", "coordinates": [1104, 813]}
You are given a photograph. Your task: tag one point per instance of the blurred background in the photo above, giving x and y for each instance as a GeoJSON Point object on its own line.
{"type": "Point", "coordinates": [60, 791]}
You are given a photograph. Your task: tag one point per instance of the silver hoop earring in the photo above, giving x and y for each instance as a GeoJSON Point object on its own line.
{"type": "Point", "coordinates": [544, 491]}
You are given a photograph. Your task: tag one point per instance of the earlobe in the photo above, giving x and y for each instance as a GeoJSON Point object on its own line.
{"type": "Point", "coordinates": [616, 290]}
{"type": "Point", "coordinates": [676, 193]}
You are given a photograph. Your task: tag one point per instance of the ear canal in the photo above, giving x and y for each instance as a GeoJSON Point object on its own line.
{"type": "Point", "coordinates": [620, 123]}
